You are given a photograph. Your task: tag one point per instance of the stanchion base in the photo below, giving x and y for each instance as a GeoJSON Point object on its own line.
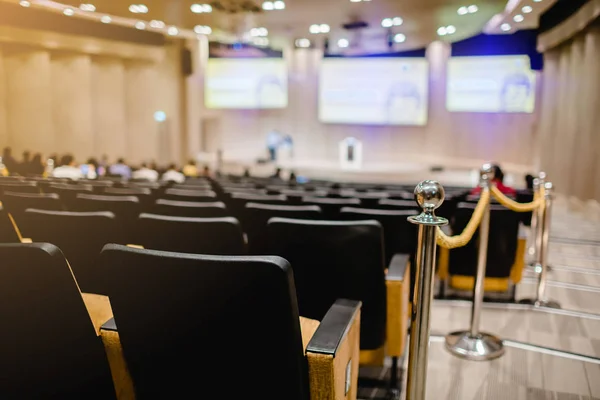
{"type": "Point", "coordinates": [540, 303]}
{"type": "Point", "coordinates": [481, 347]}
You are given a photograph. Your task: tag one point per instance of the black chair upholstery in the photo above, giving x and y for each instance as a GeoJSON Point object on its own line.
{"type": "Point", "coordinates": [68, 192]}
{"type": "Point", "coordinates": [19, 187]}
{"type": "Point", "coordinates": [191, 316]}
{"type": "Point", "coordinates": [502, 243]}
{"type": "Point", "coordinates": [390, 204]}
{"type": "Point", "coordinates": [17, 203]}
{"type": "Point", "coordinates": [190, 209]}
{"type": "Point", "coordinates": [146, 196]}
{"type": "Point", "coordinates": [51, 350]}
{"type": "Point", "coordinates": [237, 203]}
{"type": "Point", "coordinates": [260, 214]}
{"type": "Point", "coordinates": [331, 206]}
{"type": "Point", "coordinates": [221, 236]}
{"type": "Point", "coordinates": [336, 259]}
{"type": "Point", "coordinates": [190, 195]}
{"type": "Point", "coordinates": [80, 235]}
{"type": "Point", "coordinates": [126, 208]}
{"type": "Point", "coordinates": [7, 230]}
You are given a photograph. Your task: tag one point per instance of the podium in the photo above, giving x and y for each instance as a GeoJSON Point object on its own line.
{"type": "Point", "coordinates": [351, 152]}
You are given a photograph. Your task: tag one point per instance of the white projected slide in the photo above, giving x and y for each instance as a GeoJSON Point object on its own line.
{"type": "Point", "coordinates": [246, 83]}
{"type": "Point", "coordinates": [377, 91]}
{"type": "Point", "coordinates": [490, 84]}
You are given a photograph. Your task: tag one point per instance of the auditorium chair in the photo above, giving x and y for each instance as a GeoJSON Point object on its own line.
{"type": "Point", "coordinates": [505, 257]}
{"type": "Point", "coordinates": [190, 209]}
{"type": "Point", "coordinates": [180, 332]}
{"type": "Point", "coordinates": [389, 204]}
{"type": "Point", "coordinates": [154, 186]}
{"type": "Point", "coordinates": [331, 206]}
{"type": "Point", "coordinates": [98, 185]}
{"type": "Point", "coordinates": [125, 208]}
{"type": "Point", "coordinates": [222, 236]}
{"type": "Point", "coordinates": [68, 192]}
{"type": "Point", "coordinates": [19, 187]}
{"type": "Point", "coordinates": [193, 184]}
{"type": "Point", "coordinates": [258, 215]}
{"type": "Point", "coordinates": [80, 235]}
{"type": "Point", "coordinates": [146, 196]}
{"type": "Point", "coordinates": [8, 231]}
{"type": "Point", "coordinates": [189, 195]}
{"type": "Point", "coordinates": [333, 259]}
{"type": "Point", "coordinates": [17, 203]}
{"type": "Point", "coordinates": [370, 199]}
{"type": "Point", "coordinates": [51, 349]}
{"type": "Point", "coordinates": [237, 203]}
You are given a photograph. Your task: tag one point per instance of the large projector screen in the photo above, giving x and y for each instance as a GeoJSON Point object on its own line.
{"type": "Point", "coordinates": [373, 91]}
{"type": "Point", "coordinates": [246, 83]}
{"type": "Point", "coordinates": [490, 84]}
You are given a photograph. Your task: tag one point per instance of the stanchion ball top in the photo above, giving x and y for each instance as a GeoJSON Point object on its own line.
{"type": "Point", "coordinates": [429, 195]}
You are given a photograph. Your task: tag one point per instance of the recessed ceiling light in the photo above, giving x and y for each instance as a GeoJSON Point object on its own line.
{"type": "Point", "coordinates": [68, 12]}
{"type": "Point", "coordinates": [203, 30]}
{"type": "Point", "coordinates": [399, 38]}
{"type": "Point", "coordinates": [279, 5]}
{"type": "Point", "coordinates": [314, 28]}
{"type": "Point", "coordinates": [24, 3]}
{"type": "Point", "coordinates": [355, 1]}
{"type": "Point", "coordinates": [442, 31]}
{"type": "Point", "coordinates": [138, 8]}
{"type": "Point", "coordinates": [518, 18]}
{"type": "Point", "coordinates": [472, 9]}
{"type": "Point", "coordinates": [450, 29]}
{"type": "Point", "coordinates": [343, 43]}
{"type": "Point", "coordinates": [387, 22]}
{"type": "Point", "coordinates": [303, 43]}
{"type": "Point", "coordinates": [172, 30]}
{"type": "Point", "coordinates": [157, 24]}
{"type": "Point", "coordinates": [87, 7]}
{"type": "Point", "coordinates": [537, 1]}
{"type": "Point", "coordinates": [527, 9]}
{"type": "Point", "coordinates": [397, 21]}
{"type": "Point", "coordinates": [324, 28]}
{"type": "Point", "coordinates": [268, 5]}
{"type": "Point", "coordinates": [462, 10]}
{"type": "Point", "coordinates": [106, 19]}
{"type": "Point", "coordinates": [140, 25]}
{"type": "Point", "coordinates": [505, 27]}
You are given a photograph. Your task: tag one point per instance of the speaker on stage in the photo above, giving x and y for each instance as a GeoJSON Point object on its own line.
{"type": "Point", "coordinates": [350, 153]}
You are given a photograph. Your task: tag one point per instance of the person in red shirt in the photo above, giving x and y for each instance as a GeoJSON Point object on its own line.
{"type": "Point", "coordinates": [498, 180]}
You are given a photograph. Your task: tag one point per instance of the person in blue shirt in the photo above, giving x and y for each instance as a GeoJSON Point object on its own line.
{"type": "Point", "coordinates": [120, 168]}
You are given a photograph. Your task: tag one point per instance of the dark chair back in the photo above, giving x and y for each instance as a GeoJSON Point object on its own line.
{"type": "Point", "coordinates": [237, 203]}
{"type": "Point", "coordinates": [126, 208]}
{"type": "Point", "coordinates": [502, 242]}
{"type": "Point", "coordinates": [190, 209]}
{"type": "Point", "coordinates": [7, 230]}
{"type": "Point", "coordinates": [51, 348]}
{"type": "Point", "coordinates": [207, 311]}
{"type": "Point", "coordinates": [17, 203]}
{"type": "Point", "coordinates": [336, 259]}
{"type": "Point", "coordinates": [19, 187]}
{"type": "Point", "coordinates": [331, 206]}
{"type": "Point", "coordinates": [222, 236]}
{"type": "Point", "coordinates": [68, 192]}
{"type": "Point", "coordinates": [190, 195]}
{"type": "Point", "coordinates": [80, 235]}
{"type": "Point", "coordinates": [260, 214]}
{"type": "Point", "coordinates": [390, 204]}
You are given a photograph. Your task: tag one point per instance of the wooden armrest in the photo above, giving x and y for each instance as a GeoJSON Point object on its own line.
{"type": "Point", "coordinates": [99, 308]}
{"type": "Point", "coordinates": [397, 283]}
{"type": "Point", "coordinates": [118, 367]}
{"type": "Point", "coordinates": [333, 353]}
{"type": "Point", "coordinates": [308, 327]}
{"type": "Point", "coordinates": [26, 240]}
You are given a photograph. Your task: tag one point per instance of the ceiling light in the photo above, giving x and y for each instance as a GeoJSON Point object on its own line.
{"type": "Point", "coordinates": [472, 9]}
{"type": "Point", "coordinates": [68, 12]}
{"type": "Point", "coordinates": [157, 24]}
{"type": "Point", "coordinates": [24, 3]}
{"type": "Point", "coordinates": [537, 1]}
{"type": "Point", "coordinates": [462, 10]}
{"type": "Point", "coordinates": [355, 1]}
{"type": "Point", "coordinates": [140, 25]}
{"type": "Point", "coordinates": [442, 31]}
{"type": "Point", "coordinates": [261, 41]}
{"type": "Point", "coordinates": [450, 29]}
{"type": "Point", "coordinates": [138, 8]}
{"type": "Point", "coordinates": [207, 8]}
{"type": "Point", "coordinates": [172, 30]}
{"type": "Point", "coordinates": [106, 19]}
{"type": "Point", "coordinates": [399, 38]}
{"type": "Point", "coordinates": [527, 9]}
{"type": "Point", "coordinates": [314, 28]}
{"type": "Point", "coordinates": [87, 7]}
{"type": "Point", "coordinates": [279, 5]}
{"type": "Point", "coordinates": [397, 21]}
{"type": "Point", "coordinates": [263, 31]}
{"type": "Point", "coordinates": [203, 30]}
{"type": "Point", "coordinates": [196, 8]}
{"type": "Point", "coordinates": [518, 18]}
{"type": "Point", "coordinates": [387, 23]}
{"type": "Point", "coordinates": [268, 6]}
{"type": "Point", "coordinates": [303, 43]}
{"type": "Point", "coordinates": [324, 28]}
{"type": "Point", "coordinates": [505, 27]}
{"type": "Point", "coordinates": [343, 43]}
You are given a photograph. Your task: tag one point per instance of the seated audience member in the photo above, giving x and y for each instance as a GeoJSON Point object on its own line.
{"type": "Point", "coordinates": [68, 169]}
{"type": "Point", "coordinates": [173, 175]}
{"type": "Point", "coordinates": [293, 179]}
{"type": "Point", "coordinates": [90, 169]}
{"type": "Point", "coordinates": [120, 168]}
{"type": "Point", "coordinates": [37, 167]}
{"type": "Point", "coordinates": [9, 161]}
{"type": "Point", "coordinates": [190, 169]}
{"type": "Point", "coordinates": [498, 180]}
{"type": "Point", "coordinates": [25, 165]}
{"type": "Point", "coordinates": [206, 172]}
{"type": "Point", "coordinates": [247, 173]}
{"type": "Point", "coordinates": [146, 173]}
{"type": "Point", "coordinates": [277, 174]}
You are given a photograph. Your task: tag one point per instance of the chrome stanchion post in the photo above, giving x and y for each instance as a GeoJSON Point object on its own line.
{"type": "Point", "coordinates": [542, 264]}
{"type": "Point", "coordinates": [473, 344]}
{"type": "Point", "coordinates": [429, 195]}
{"type": "Point", "coordinates": [532, 250]}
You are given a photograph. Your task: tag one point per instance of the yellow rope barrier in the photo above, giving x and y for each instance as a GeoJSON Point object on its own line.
{"type": "Point", "coordinates": [538, 200]}
{"type": "Point", "coordinates": [452, 242]}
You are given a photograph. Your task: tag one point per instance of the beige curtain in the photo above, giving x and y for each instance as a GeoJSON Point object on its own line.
{"type": "Point", "coordinates": [569, 129]}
